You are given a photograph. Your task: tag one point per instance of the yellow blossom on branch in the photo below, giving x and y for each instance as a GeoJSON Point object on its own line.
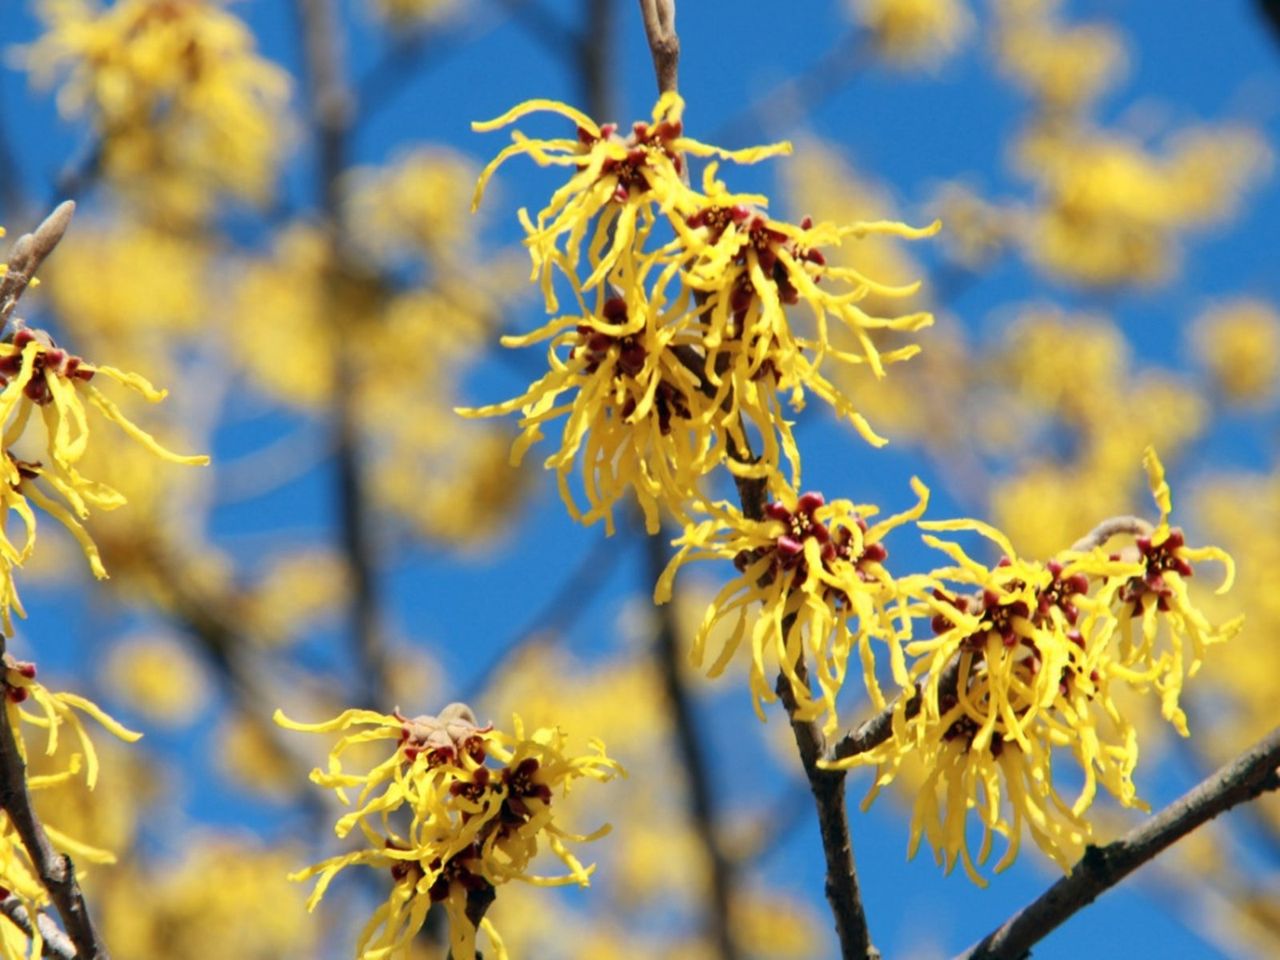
{"type": "Point", "coordinates": [454, 811]}
{"type": "Point", "coordinates": [635, 414]}
{"type": "Point", "coordinates": [1023, 664]}
{"type": "Point", "coordinates": [29, 704]}
{"type": "Point", "coordinates": [1157, 601]}
{"type": "Point", "coordinates": [618, 181]}
{"type": "Point", "coordinates": [43, 379]}
{"type": "Point", "coordinates": [817, 571]}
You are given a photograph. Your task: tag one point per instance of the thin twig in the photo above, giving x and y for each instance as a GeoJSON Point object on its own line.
{"type": "Point", "coordinates": [1113, 527]}
{"type": "Point", "coordinates": [827, 787]}
{"type": "Point", "coordinates": [55, 870]}
{"type": "Point", "coordinates": [664, 44]}
{"type": "Point", "coordinates": [27, 253]}
{"type": "Point", "coordinates": [693, 762]}
{"type": "Point", "coordinates": [1245, 778]}
{"type": "Point", "coordinates": [878, 728]}
{"type": "Point", "coordinates": [332, 110]}
{"type": "Point", "coordinates": [56, 944]}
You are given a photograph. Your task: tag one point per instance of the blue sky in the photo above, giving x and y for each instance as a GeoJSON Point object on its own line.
{"type": "Point", "coordinates": [1210, 60]}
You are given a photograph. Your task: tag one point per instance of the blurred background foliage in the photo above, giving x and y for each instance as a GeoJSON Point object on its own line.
{"type": "Point", "coordinates": [1107, 277]}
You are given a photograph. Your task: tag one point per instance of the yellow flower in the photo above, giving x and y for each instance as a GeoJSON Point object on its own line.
{"type": "Point", "coordinates": [54, 714]}
{"type": "Point", "coordinates": [817, 569]}
{"type": "Point", "coordinates": [1065, 67]}
{"type": "Point", "coordinates": [1158, 594]}
{"type": "Point", "coordinates": [635, 414]}
{"type": "Point", "coordinates": [1238, 342]}
{"type": "Point", "coordinates": [224, 896]}
{"type": "Point", "coordinates": [914, 32]}
{"type": "Point", "coordinates": [747, 268]}
{"type": "Point", "coordinates": [182, 103]}
{"type": "Point", "coordinates": [619, 179]}
{"type": "Point", "coordinates": [1111, 210]}
{"type": "Point", "coordinates": [38, 376]}
{"type": "Point", "coordinates": [455, 810]}
{"type": "Point", "coordinates": [1023, 663]}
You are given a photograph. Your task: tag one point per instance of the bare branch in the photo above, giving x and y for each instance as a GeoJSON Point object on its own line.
{"type": "Point", "coordinates": [693, 762]}
{"type": "Point", "coordinates": [332, 109]}
{"type": "Point", "coordinates": [877, 729]}
{"type": "Point", "coordinates": [56, 944]}
{"type": "Point", "coordinates": [827, 787]}
{"type": "Point", "coordinates": [664, 44]}
{"type": "Point", "coordinates": [1113, 527]}
{"type": "Point", "coordinates": [55, 870]}
{"type": "Point", "coordinates": [28, 252]}
{"type": "Point", "coordinates": [1245, 778]}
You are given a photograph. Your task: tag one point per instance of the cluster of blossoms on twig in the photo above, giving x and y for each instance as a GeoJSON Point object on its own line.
{"type": "Point", "coordinates": [29, 704]}
{"type": "Point", "coordinates": [681, 341]}
{"type": "Point", "coordinates": [455, 810]}
{"type": "Point", "coordinates": [40, 467]}
{"type": "Point", "coordinates": [694, 313]}
{"type": "Point", "coordinates": [1023, 662]}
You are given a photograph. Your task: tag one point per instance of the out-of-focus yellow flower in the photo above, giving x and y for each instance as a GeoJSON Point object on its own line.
{"type": "Point", "coordinates": [159, 676]}
{"type": "Point", "coordinates": [1071, 372]}
{"type": "Point", "coordinates": [1111, 211]}
{"type": "Point", "coordinates": [977, 229]}
{"type": "Point", "coordinates": [406, 13]}
{"type": "Point", "coordinates": [419, 202]}
{"type": "Point", "coordinates": [224, 898]}
{"type": "Point", "coordinates": [107, 301]}
{"type": "Point", "coordinates": [472, 826]}
{"type": "Point", "coordinates": [1238, 342]}
{"type": "Point", "coordinates": [913, 33]}
{"type": "Point", "coordinates": [1066, 68]}
{"type": "Point", "coordinates": [182, 104]}
{"type": "Point", "coordinates": [817, 570]}
{"type": "Point", "coordinates": [298, 589]}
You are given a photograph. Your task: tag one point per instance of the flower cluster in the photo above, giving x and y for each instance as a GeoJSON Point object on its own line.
{"type": "Point", "coordinates": [178, 96]}
{"type": "Point", "coordinates": [455, 810]}
{"type": "Point", "coordinates": [27, 704]}
{"type": "Point", "coordinates": [38, 377]}
{"type": "Point", "coordinates": [817, 571]}
{"type": "Point", "coordinates": [1023, 662]}
{"type": "Point", "coordinates": [681, 342]}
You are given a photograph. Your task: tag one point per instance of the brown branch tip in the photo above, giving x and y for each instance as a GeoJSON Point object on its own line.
{"type": "Point", "coordinates": [664, 44]}
{"type": "Point", "coordinates": [29, 251]}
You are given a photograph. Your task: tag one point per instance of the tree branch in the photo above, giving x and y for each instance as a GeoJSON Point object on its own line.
{"type": "Point", "coordinates": [877, 729]}
{"type": "Point", "coordinates": [28, 252]}
{"type": "Point", "coordinates": [664, 43]}
{"type": "Point", "coordinates": [1245, 778]}
{"type": "Point", "coordinates": [332, 109]}
{"type": "Point", "coordinates": [1112, 527]}
{"type": "Point", "coordinates": [827, 787]}
{"type": "Point", "coordinates": [55, 870]}
{"type": "Point", "coordinates": [693, 762]}
{"type": "Point", "coordinates": [56, 944]}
